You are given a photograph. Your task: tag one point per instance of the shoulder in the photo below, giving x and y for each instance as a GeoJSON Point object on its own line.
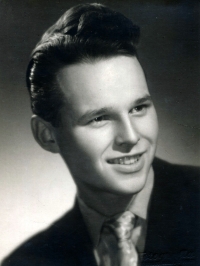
{"type": "Point", "coordinates": [57, 245]}
{"type": "Point", "coordinates": [174, 216]}
{"type": "Point", "coordinates": [178, 185]}
{"type": "Point", "coordinates": [176, 195]}
{"type": "Point", "coordinates": [178, 176]}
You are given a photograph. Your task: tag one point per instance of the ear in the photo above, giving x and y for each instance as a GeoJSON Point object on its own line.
{"type": "Point", "coordinates": [44, 134]}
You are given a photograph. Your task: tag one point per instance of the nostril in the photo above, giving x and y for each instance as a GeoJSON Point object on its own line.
{"type": "Point", "coordinates": [133, 140]}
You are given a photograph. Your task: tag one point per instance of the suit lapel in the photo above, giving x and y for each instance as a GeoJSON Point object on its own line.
{"type": "Point", "coordinates": [159, 221]}
{"type": "Point", "coordinates": [83, 249]}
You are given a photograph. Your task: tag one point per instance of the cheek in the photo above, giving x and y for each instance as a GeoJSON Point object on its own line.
{"type": "Point", "coordinates": [91, 142]}
{"type": "Point", "coordinates": [153, 127]}
{"type": "Point", "coordinates": [149, 127]}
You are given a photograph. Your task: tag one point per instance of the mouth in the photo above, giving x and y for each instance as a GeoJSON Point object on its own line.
{"type": "Point", "coordinates": [126, 160]}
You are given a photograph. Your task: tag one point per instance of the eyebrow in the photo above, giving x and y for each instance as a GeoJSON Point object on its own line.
{"type": "Point", "coordinates": [104, 110]}
{"type": "Point", "coordinates": [144, 99]}
{"type": "Point", "coordinates": [94, 113]}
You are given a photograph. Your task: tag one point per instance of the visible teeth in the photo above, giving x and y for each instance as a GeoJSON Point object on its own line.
{"type": "Point", "coordinates": [125, 160]}
{"type": "Point", "coordinates": [115, 161]}
{"type": "Point", "coordinates": [121, 161]}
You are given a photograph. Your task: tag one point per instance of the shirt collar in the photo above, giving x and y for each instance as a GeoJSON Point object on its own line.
{"type": "Point", "coordinates": [138, 205]}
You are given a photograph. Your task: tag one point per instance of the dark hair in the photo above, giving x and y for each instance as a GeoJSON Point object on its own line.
{"type": "Point", "coordinates": [85, 33]}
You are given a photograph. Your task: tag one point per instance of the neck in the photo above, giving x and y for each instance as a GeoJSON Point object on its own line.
{"type": "Point", "coordinates": [107, 204]}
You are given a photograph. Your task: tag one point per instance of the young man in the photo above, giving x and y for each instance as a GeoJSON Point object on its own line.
{"type": "Point", "coordinates": [91, 104]}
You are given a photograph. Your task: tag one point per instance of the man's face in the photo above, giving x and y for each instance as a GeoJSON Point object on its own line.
{"type": "Point", "coordinates": [109, 125]}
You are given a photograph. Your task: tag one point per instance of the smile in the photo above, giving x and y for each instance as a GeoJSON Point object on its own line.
{"type": "Point", "coordinates": [127, 160]}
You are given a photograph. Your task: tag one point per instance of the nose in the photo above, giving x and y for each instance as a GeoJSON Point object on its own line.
{"type": "Point", "coordinates": [126, 133]}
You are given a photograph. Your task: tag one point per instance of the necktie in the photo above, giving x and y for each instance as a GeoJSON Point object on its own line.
{"type": "Point", "coordinates": [124, 253]}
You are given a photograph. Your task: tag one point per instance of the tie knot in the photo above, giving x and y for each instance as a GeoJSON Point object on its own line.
{"type": "Point", "coordinates": [122, 225]}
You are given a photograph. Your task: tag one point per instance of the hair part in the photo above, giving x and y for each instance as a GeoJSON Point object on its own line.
{"type": "Point", "coordinates": [84, 33]}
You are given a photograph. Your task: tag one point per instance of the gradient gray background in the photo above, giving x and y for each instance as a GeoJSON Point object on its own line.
{"type": "Point", "coordinates": [36, 186]}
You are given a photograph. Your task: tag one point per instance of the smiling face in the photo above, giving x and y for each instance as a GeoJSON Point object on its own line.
{"type": "Point", "coordinates": [109, 125]}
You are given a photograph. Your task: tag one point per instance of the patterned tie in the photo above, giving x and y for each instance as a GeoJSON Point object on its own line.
{"type": "Point", "coordinates": [125, 254]}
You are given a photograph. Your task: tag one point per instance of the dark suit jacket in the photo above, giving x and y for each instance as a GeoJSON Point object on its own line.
{"type": "Point", "coordinates": [172, 234]}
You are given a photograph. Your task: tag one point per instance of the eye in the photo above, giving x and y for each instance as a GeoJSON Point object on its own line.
{"type": "Point", "coordinates": [99, 121]}
{"type": "Point", "coordinates": [140, 109]}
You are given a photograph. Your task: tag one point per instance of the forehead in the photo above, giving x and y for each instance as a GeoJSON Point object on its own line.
{"type": "Point", "coordinates": [105, 82]}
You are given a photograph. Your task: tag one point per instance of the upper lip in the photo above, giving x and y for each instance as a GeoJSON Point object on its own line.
{"type": "Point", "coordinates": [126, 156]}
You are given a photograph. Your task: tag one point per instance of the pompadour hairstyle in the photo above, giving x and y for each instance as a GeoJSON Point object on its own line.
{"type": "Point", "coordinates": [84, 33]}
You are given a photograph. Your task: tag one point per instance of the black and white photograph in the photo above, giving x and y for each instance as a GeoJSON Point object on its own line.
{"type": "Point", "coordinates": [100, 133]}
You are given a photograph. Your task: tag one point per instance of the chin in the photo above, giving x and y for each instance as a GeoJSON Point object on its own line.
{"type": "Point", "coordinates": [136, 188]}
{"type": "Point", "coordinates": [128, 187]}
